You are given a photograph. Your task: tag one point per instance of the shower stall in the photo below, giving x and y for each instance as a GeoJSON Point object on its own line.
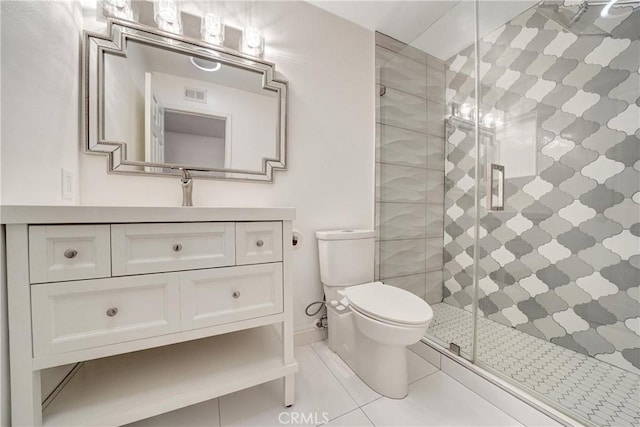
{"type": "Point", "coordinates": [508, 196]}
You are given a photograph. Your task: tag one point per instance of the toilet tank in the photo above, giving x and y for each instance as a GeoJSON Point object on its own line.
{"type": "Point", "coordinates": [346, 256]}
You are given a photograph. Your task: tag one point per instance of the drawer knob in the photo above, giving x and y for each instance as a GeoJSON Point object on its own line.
{"type": "Point", "coordinates": [70, 253]}
{"type": "Point", "coordinates": [177, 247]}
{"type": "Point", "coordinates": [111, 312]}
{"type": "Point", "coordinates": [259, 243]}
{"type": "Point", "coordinates": [236, 294]}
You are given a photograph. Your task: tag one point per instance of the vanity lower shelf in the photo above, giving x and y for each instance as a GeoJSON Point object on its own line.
{"type": "Point", "coordinates": [122, 389]}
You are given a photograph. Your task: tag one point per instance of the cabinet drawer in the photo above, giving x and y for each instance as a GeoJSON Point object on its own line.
{"type": "Point", "coordinates": [68, 252]}
{"type": "Point", "coordinates": [79, 315]}
{"type": "Point", "coordinates": [258, 242]}
{"type": "Point", "coordinates": [154, 248]}
{"type": "Point", "coordinates": [222, 295]}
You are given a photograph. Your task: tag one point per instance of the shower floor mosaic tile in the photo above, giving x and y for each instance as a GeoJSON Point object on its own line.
{"type": "Point", "coordinates": [592, 389]}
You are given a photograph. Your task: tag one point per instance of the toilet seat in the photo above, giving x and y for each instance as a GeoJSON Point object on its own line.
{"type": "Point", "coordinates": [389, 304]}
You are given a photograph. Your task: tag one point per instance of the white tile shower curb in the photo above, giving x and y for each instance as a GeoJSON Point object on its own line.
{"type": "Point", "coordinates": [520, 405]}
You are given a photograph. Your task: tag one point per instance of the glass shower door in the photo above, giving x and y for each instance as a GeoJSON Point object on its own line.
{"type": "Point", "coordinates": [559, 243]}
{"type": "Point", "coordinates": [452, 324]}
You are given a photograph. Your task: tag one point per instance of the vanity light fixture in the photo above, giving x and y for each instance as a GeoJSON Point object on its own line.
{"type": "Point", "coordinates": [167, 15]}
{"type": "Point", "coordinates": [489, 120]}
{"type": "Point", "coordinates": [465, 111]}
{"type": "Point", "coordinates": [205, 65]}
{"type": "Point", "coordinates": [120, 9]}
{"type": "Point", "coordinates": [212, 30]}
{"type": "Point", "coordinates": [252, 41]}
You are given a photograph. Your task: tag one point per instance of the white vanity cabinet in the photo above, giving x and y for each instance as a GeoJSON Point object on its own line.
{"type": "Point", "coordinates": [159, 308]}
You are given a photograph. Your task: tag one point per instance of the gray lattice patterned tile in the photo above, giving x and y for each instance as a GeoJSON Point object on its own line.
{"type": "Point", "coordinates": [574, 267]}
{"type": "Point", "coordinates": [624, 182]}
{"type": "Point", "coordinates": [603, 140]}
{"type": "Point", "coordinates": [623, 275]}
{"type": "Point", "coordinates": [572, 294]}
{"type": "Point", "coordinates": [550, 301]}
{"type": "Point", "coordinates": [627, 90]}
{"type": "Point", "coordinates": [604, 110]}
{"type": "Point", "coordinates": [599, 227]}
{"type": "Point", "coordinates": [627, 59]}
{"type": "Point", "coordinates": [624, 213]}
{"type": "Point", "coordinates": [579, 157]}
{"type": "Point", "coordinates": [554, 226]}
{"type": "Point", "coordinates": [623, 307]}
{"type": "Point", "coordinates": [558, 121]}
{"type": "Point", "coordinates": [582, 74]}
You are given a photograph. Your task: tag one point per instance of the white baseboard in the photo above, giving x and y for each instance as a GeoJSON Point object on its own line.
{"type": "Point", "coordinates": [307, 336]}
{"type": "Point", "coordinates": [520, 405]}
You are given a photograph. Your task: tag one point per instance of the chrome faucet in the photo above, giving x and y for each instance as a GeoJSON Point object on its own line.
{"type": "Point", "coordinates": [187, 187]}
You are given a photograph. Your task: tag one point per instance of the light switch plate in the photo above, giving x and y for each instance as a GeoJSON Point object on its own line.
{"type": "Point", "coordinates": [67, 184]}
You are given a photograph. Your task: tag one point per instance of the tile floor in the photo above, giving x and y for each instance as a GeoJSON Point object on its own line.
{"type": "Point", "coordinates": [329, 393]}
{"type": "Point", "coordinates": [593, 389]}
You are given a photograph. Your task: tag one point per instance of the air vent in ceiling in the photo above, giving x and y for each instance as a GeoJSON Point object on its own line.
{"type": "Point", "coordinates": [195, 95]}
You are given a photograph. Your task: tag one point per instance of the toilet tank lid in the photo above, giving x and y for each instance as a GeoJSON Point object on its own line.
{"type": "Point", "coordinates": [345, 234]}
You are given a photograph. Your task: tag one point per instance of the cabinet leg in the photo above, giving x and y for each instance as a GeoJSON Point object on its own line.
{"type": "Point", "coordinates": [26, 408]}
{"type": "Point", "coordinates": [289, 390]}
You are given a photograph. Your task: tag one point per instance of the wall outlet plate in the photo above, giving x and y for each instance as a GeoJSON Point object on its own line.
{"type": "Point", "coordinates": [67, 184]}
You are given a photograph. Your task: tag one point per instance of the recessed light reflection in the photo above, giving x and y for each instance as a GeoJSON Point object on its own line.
{"type": "Point", "coordinates": [205, 65]}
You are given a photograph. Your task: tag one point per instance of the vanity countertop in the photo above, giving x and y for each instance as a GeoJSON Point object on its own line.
{"type": "Point", "coordinates": [10, 214]}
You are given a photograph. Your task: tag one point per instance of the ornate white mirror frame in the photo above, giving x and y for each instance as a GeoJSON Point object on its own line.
{"type": "Point", "coordinates": [118, 33]}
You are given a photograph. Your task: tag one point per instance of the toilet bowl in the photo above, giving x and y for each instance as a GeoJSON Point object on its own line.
{"type": "Point", "coordinates": [370, 323]}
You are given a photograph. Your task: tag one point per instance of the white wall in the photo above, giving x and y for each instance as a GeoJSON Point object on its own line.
{"type": "Point", "coordinates": [5, 405]}
{"type": "Point", "coordinates": [39, 112]}
{"type": "Point", "coordinates": [4, 328]}
{"type": "Point", "coordinates": [40, 99]}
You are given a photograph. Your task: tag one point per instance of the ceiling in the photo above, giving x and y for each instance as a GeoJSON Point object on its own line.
{"type": "Point", "coordinates": [194, 124]}
{"type": "Point", "coordinates": [441, 28]}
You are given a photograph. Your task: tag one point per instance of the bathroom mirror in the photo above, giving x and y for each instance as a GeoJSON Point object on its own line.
{"type": "Point", "coordinates": [156, 101]}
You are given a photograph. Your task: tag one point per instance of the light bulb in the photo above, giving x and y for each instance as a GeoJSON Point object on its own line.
{"type": "Point", "coordinates": [252, 41]}
{"type": "Point", "coordinates": [167, 16]}
{"type": "Point", "coordinates": [120, 9]}
{"type": "Point", "coordinates": [465, 110]}
{"type": "Point", "coordinates": [166, 10]}
{"type": "Point", "coordinates": [212, 29]}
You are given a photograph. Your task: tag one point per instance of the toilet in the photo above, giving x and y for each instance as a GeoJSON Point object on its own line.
{"type": "Point", "coordinates": [370, 323]}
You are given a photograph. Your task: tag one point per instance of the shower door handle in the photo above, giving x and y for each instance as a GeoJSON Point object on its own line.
{"type": "Point", "coordinates": [495, 187]}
